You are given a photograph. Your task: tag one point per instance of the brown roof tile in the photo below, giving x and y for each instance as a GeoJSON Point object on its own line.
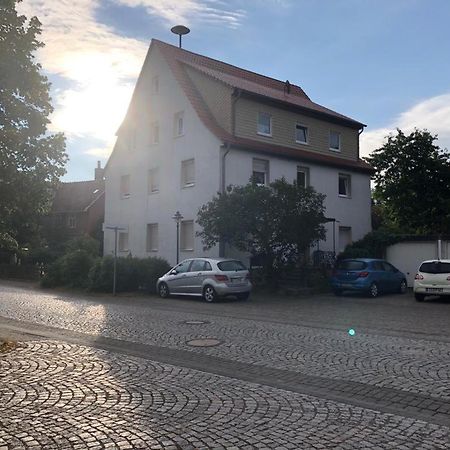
{"type": "Point", "coordinates": [77, 196]}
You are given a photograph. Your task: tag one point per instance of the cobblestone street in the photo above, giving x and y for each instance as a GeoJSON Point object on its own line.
{"type": "Point", "coordinates": [92, 372]}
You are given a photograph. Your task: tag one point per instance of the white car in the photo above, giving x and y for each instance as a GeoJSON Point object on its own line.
{"type": "Point", "coordinates": [432, 278]}
{"type": "Point", "coordinates": [209, 278]}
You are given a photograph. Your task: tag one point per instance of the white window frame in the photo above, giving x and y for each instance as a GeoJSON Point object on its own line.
{"type": "Point", "coordinates": [263, 133]}
{"type": "Point", "coordinates": [266, 171]}
{"type": "Point", "coordinates": [184, 246]}
{"type": "Point", "coordinates": [348, 185]}
{"type": "Point", "coordinates": [305, 170]}
{"type": "Point", "coordinates": [72, 221]}
{"type": "Point", "coordinates": [306, 133]}
{"type": "Point", "coordinates": [123, 241]}
{"type": "Point", "coordinates": [186, 182]}
{"type": "Point", "coordinates": [333, 149]}
{"type": "Point", "coordinates": [125, 186]}
{"type": "Point", "coordinates": [155, 133]}
{"type": "Point", "coordinates": [177, 130]}
{"type": "Point", "coordinates": [152, 242]}
{"type": "Point", "coordinates": [153, 180]}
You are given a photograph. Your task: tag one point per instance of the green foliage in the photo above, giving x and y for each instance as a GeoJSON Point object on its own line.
{"type": "Point", "coordinates": [86, 243]}
{"type": "Point", "coordinates": [31, 160]}
{"type": "Point", "coordinates": [7, 242]}
{"type": "Point", "coordinates": [372, 245]}
{"type": "Point", "coordinates": [132, 274]}
{"type": "Point", "coordinates": [279, 221]}
{"type": "Point", "coordinates": [413, 183]}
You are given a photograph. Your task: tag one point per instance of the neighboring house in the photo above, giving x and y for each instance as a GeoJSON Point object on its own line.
{"type": "Point", "coordinates": [78, 207]}
{"type": "Point", "coordinates": [196, 125]}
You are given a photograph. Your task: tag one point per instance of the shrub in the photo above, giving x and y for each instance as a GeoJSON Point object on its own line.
{"type": "Point", "coordinates": [132, 274]}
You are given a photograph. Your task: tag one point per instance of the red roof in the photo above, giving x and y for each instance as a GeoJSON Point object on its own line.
{"type": "Point", "coordinates": [256, 84]}
{"type": "Point", "coordinates": [77, 196]}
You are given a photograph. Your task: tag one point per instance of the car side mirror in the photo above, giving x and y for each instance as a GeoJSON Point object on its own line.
{"type": "Point", "coordinates": [173, 272]}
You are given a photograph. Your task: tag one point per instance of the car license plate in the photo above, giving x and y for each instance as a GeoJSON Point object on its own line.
{"type": "Point", "coordinates": [236, 280]}
{"type": "Point", "coordinates": [434, 289]}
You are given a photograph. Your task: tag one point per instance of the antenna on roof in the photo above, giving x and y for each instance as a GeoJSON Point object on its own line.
{"type": "Point", "coordinates": [180, 30]}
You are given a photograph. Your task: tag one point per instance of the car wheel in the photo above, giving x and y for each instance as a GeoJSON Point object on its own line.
{"type": "Point", "coordinates": [337, 292]}
{"type": "Point", "coordinates": [403, 287]}
{"type": "Point", "coordinates": [163, 290]}
{"type": "Point", "coordinates": [209, 294]}
{"type": "Point", "coordinates": [373, 290]}
{"type": "Point", "coordinates": [419, 297]}
{"type": "Point", "coordinates": [243, 296]}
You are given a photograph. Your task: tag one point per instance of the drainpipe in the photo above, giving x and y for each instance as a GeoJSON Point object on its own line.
{"type": "Point", "coordinates": [359, 134]}
{"type": "Point", "coordinates": [222, 190]}
{"type": "Point", "coordinates": [439, 249]}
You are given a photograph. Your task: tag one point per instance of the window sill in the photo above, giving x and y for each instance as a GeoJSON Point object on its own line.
{"type": "Point", "coordinates": [153, 192]}
{"type": "Point", "coordinates": [336, 150]}
{"type": "Point", "coordinates": [259, 133]}
{"type": "Point", "coordinates": [344, 196]}
{"type": "Point", "coordinates": [179, 135]}
{"type": "Point", "coordinates": [302, 143]}
{"type": "Point", "coordinates": [152, 251]}
{"type": "Point", "coordinates": [187, 250]}
{"type": "Point", "coordinates": [125, 196]}
{"type": "Point", "coordinates": [187, 186]}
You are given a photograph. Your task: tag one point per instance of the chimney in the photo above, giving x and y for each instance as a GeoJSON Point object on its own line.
{"type": "Point", "coordinates": [99, 172]}
{"type": "Point", "coordinates": [287, 87]}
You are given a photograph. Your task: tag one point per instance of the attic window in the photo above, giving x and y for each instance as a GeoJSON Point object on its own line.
{"type": "Point", "coordinates": [264, 124]}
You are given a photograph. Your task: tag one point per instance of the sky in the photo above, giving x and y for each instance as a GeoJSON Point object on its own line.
{"type": "Point", "coordinates": [385, 63]}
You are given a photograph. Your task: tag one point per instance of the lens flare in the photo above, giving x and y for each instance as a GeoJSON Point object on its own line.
{"type": "Point", "coordinates": [351, 332]}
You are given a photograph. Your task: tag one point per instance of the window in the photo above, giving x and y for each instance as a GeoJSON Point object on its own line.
{"type": "Point", "coordinates": [187, 235]}
{"type": "Point", "coordinates": [335, 141]}
{"type": "Point", "coordinates": [152, 237]}
{"type": "Point", "coordinates": [264, 124]}
{"type": "Point", "coordinates": [155, 84]}
{"type": "Point", "coordinates": [303, 176]}
{"type": "Point", "coordinates": [260, 171]}
{"type": "Point", "coordinates": [231, 266]}
{"type": "Point", "coordinates": [72, 221]}
{"type": "Point", "coordinates": [123, 242]}
{"type": "Point", "coordinates": [188, 173]}
{"type": "Point", "coordinates": [344, 185]}
{"type": "Point", "coordinates": [125, 186]}
{"type": "Point", "coordinates": [179, 124]}
{"type": "Point", "coordinates": [183, 267]}
{"type": "Point", "coordinates": [153, 180]}
{"type": "Point", "coordinates": [301, 134]}
{"type": "Point", "coordinates": [345, 237]}
{"type": "Point", "coordinates": [198, 265]}
{"type": "Point", "coordinates": [155, 132]}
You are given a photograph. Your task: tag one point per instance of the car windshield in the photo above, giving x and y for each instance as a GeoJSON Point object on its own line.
{"type": "Point", "coordinates": [230, 266]}
{"type": "Point", "coordinates": [435, 267]}
{"type": "Point", "coordinates": [351, 265]}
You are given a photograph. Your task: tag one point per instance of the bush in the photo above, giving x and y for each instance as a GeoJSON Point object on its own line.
{"type": "Point", "coordinates": [132, 274]}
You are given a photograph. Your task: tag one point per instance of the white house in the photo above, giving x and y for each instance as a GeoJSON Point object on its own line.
{"type": "Point", "coordinates": [196, 125]}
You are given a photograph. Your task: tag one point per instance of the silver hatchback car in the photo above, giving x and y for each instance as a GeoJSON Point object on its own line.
{"type": "Point", "coordinates": [207, 277]}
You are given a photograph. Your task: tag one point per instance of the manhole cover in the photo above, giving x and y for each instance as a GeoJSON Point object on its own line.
{"type": "Point", "coordinates": [207, 342]}
{"type": "Point", "coordinates": [195, 322]}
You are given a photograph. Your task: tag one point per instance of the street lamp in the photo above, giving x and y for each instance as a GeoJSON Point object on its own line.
{"type": "Point", "coordinates": [178, 218]}
{"type": "Point", "coordinates": [116, 230]}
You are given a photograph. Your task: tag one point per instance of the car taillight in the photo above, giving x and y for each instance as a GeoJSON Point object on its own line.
{"type": "Point", "coordinates": [363, 274]}
{"type": "Point", "coordinates": [419, 277]}
{"type": "Point", "coordinates": [221, 278]}
{"type": "Point", "coordinates": [448, 278]}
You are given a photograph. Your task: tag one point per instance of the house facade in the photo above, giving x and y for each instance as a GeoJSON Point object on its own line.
{"type": "Point", "coordinates": [196, 125]}
{"type": "Point", "coordinates": [78, 208]}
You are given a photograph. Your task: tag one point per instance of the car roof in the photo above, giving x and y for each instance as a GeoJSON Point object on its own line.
{"type": "Point", "coordinates": [435, 261]}
{"type": "Point", "coordinates": [363, 259]}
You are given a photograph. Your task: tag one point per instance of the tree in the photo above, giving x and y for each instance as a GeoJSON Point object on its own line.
{"type": "Point", "coordinates": [279, 221]}
{"type": "Point", "coordinates": [412, 177]}
{"type": "Point", "coordinates": [31, 160]}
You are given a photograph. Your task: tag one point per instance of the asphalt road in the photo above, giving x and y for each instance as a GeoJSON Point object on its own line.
{"type": "Point", "coordinates": [280, 373]}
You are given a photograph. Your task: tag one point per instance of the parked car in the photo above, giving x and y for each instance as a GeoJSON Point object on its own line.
{"type": "Point", "coordinates": [432, 278]}
{"type": "Point", "coordinates": [371, 276]}
{"type": "Point", "coordinates": [207, 277]}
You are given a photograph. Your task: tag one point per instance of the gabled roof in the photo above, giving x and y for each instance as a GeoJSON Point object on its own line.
{"type": "Point", "coordinates": [77, 196]}
{"type": "Point", "coordinates": [250, 82]}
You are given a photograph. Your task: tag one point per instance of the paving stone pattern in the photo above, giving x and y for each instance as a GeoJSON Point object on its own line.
{"type": "Point", "coordinates": [55, 395]}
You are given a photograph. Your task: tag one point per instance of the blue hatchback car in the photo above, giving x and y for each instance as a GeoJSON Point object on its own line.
{"type": "Point", "coordinates": [371, 276]}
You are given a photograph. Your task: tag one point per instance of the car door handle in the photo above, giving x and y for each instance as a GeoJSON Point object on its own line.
{"type": "Point", "coordinates": [183, 276]}
{"type": "Point", "coordinates": [199, 274]}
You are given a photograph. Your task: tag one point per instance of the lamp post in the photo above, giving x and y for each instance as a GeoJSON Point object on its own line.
{"type": "Point", "coordinates": [178, 218]}
{"type": "Point", "coordinates": [116, 230]}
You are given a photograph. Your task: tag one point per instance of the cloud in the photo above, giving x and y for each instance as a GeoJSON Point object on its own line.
{"type": "Point", "coordinates": [189, 11]}
{"type": "Point", "coordinates": [432, 114]}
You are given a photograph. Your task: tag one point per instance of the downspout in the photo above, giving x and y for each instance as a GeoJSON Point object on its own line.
{"type": "Point", "coordinates": [222, 189]}
{"type": "Point", "coordinates": [359, 134]}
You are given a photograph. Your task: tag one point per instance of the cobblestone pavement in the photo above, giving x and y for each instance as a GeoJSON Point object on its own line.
{"type": "Point", "coordinates": [284, 375]}
{"type": "Point", "coordinates": [55, 395]}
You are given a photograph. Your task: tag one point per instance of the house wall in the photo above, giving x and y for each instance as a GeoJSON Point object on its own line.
{"type": "Point", "coordinates": [283, 129]}
{"type": "Point", "coordinates": [354, 212]}
{"type": "Point", "coordinates": [141, 208]}
{"type": "Point", "coordinates": [407, 256]}
{"type": "Point", "coordinates": [216, 95]}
